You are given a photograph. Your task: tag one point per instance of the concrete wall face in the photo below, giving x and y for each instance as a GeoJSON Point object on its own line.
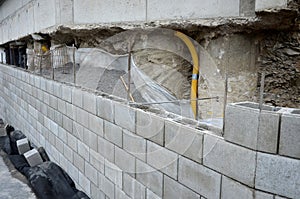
{"type": "Point", "coordinates": [28, 16]}
{"type": "Point", "coordinates": [108, 155]}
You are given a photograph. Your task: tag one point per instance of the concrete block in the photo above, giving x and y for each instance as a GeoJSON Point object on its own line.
{"type": "Point", "coordinates": [234, 190]}
{"type": "Point", "coordinates": [268, 132]}
{"type": "Point", "coordinates": [200, 179]}
{"type": "Point", "coordinates": [90, 139]}
{"type": "Point", "coordinates": [263, 195]}
{"type": "Point", "coordinates": [96, 124]}
{"type": "Point", "coordinates": [97, 161]}
{"type": "Point", "coordinates": [162, 159]}
{"type": "Point", "coordinates": [33, 157]}
{"type": "Point", "coordinates": [96, 193]}
{"type": "Point", "coordinates": [290, 135]}
{"type": "Point", "coordinates": [150, 127]}
{"type": "Point", "coordinates": [120, 194]}
{"type": "Point", "coordinates": [67, 93]}
{"type": "Point", "coordinates": [78, 131]}
{"type": "Point", "coordinates": [85, 183]}
{"type": "Point", "coordinates": [72, 142]}
{"type": "Point", "coordinates": [267, 4]}
{"type": "Point", "coordinates": [191, 9]}
{"type": "Point", "coordinates": [113, 133]}
{"type": "Point", "coordinates": [89, 102]}
{"type": "Point", "coordinates": [59, 145]}
{"type": "Point", "coordinates": [68, 153]}
{"type": "Point", "coordinates": [125, 116]}
{"type": "Point", "coordinates": [23, 146]}
{"type": "Point", "coordinates": [133, 188]}
{"type": "Point", "coordinates": [229, 159]}
{"type": "Point", "coordinates": [134, 144]}
{"type": "Point", "coordinates": [241, 125]}
{"type": "Point", "coordinates": [73, 172]}
{"type": "Point", "coordinates": [77, 96]}
{"type": "Point", "coordinates": [125, 161]}
{"type": "Point", "coordinates": [61, 106]}
{"type": "Point", "coordinates": [278, 175]}
{"type": "Point", "coordinates": [79, 162]}
{"type": "Point", "coordinates": [106, 186]}
{"type": "Point", "coordinates": [67, 124]}
{"type": "Point", "coordinates": [151, 195]}
{"type": "Point", "coordinates": [106, 149]}
{"type": "Point", "coordinates": [113, 173]}
{"type": "Point", "coordinates": [149, 177]}
{"type": "Point", "coordinates": [184, 140]}
{"type": "Point", "coordinates": [173, 189]}
{"type": "Point", "coordinates": [82, 117]}
{"type": "Point", "coordinates": [105, 109]}
{"type": "Point", "coordinates": [83, 150]}
{"type": "Point", "coordinates": [91, 173]}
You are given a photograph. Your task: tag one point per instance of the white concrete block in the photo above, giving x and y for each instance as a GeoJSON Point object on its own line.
{"type": "Point", "coordinates": [91, 173]}
{"type": "Point", "coordinates": [106, 186]}
{"type": "Point", "coordinates": [67, 93]}
{"type": "Point", "coordinates": [96, 124]}
{"type": "Point", "coordinates": [23, 146]}
{"type": "Point", "coordinates": [278, 175]}
{"type": "Point", "coordinates": [162, 159]}
{"type": "Point", "coordinates": [290, 135]}
{"type": "Point", "coordinates": [113, 173]}
{"type": "Point", "coordinates": [135, 145]}
{"type": "Point", "coordinates": [125, 161]}
{"type": "Point", "coordinates": [96, 193]}
{"type": "Point", "coordinates": [83, 150]}
{"type": "Point", "coordinates": [125, 116]}
{"type": "Point", "coordinates": [77, 96]}
{"type": "Point", "coordinates": [133, 188]}
{"type": "Point", "coordinates": [234, 190]}
{"type": "Point", "coordinates": [151, 195]}
{"type": "Point", "coordinates": [149, 177]}
{"type": "Point", "coordinates": [263, 195]}
{"type": "Point", "coordinates": [85, 183]}
{"type": "Point", "coordinates": [79, 162]}
{"type": "Point", "coordinates": [89, 102]}
{"type": "Point", "coordinates": [120, 194]}
{"type": "Point", "coordinates": [173, 189]}
{"type": "Point", "coordinates": [229, 159]}
{"type": "Point", "coordinates": [184, 140]}
{"type": "Point", "coordinates": [113, 133]}
{"type": "Point", "coordinates": [150, 127]}
{"type": "Point", "coordinates": [241, 125]}
{"type": "Point", "coordinates": [106, 149]}
{"type": "Point", "coordinates": [97, 161]}
{"type": "Point", "coordinates": [105, 109]}
{"type": "Point", "coordinates": [90, 139]}
{"type": "Point", "coordinates": [200, 179]}
{"type": "Point", "coordinates": [33, 157]}
{"type": "Point", "coordinates": [269, 4]}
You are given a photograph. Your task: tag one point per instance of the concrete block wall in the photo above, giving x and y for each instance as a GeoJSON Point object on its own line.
{"type": "Point", "coordinates": [112, 150]}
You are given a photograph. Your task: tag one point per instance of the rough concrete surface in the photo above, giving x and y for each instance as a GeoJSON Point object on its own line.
{"type": "Point", "coordinates": [10, 184]}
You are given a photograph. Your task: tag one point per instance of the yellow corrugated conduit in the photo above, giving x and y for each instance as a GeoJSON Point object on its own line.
{"type": "Point", "coordinates": [195, 76]}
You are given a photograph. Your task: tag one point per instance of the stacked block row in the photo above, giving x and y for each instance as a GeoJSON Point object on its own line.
{"type": "Point", "coordinates": [112, 150]}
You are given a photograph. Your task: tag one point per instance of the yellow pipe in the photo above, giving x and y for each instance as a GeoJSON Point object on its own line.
{"type": "Point", "coordinates": [194, 85]}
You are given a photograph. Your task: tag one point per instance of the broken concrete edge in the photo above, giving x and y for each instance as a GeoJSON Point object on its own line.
{"type": "Point", "coordinates": [272, 129]}
{"type": "Point", "coordinates": [218, 25]}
